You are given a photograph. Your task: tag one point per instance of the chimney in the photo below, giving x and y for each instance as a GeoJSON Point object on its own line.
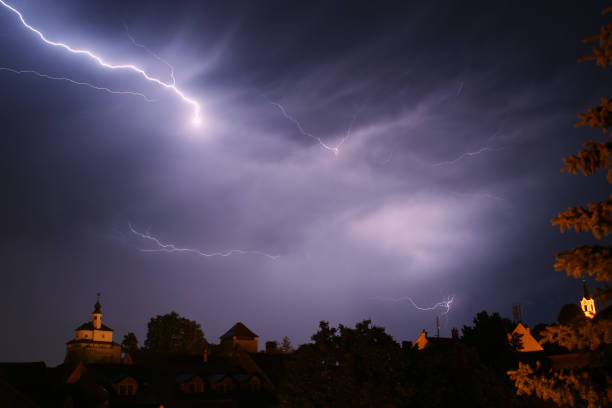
{"type": "Point", "coordinates": [206, 355]}
{"type": "Point", "coordinates": [455, 333]}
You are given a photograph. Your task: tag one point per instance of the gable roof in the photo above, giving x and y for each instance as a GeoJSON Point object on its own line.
{"type": "Point", "coordinates": [240, 331]}
{"type": "Point", "coordinates": [528, 342]}
{"type": "Point", "coordinates": [90, 326]}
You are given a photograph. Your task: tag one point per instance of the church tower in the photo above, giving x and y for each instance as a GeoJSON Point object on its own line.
{"type": "Point", "coordinates": [587, 304]}
{"type": "Point", "coordinates": [97, 315]}
{"type": "Point", "coordinates": [93, 342]}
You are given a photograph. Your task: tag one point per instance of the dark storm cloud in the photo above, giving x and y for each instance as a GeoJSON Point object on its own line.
{"type": "Point", "coordinates": [458, 116]}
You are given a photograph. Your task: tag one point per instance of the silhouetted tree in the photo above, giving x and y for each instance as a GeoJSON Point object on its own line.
{"type": "Point", "coordinates": [286, 346]}
{"type": "Point", "coordinates": [489, 337]}
{"type": "Point", "coordinates": [129, 343]}
{"type": "Point", "coordinates": [346, 367]}
{"type": "Point", "coordinates": [571, 314]}
{"type": "Point", "coordinates": [365, 367]}
{"type": "Point", "coordinates": [171, 333]}
{"type": "Point", "coordinates": [452, 375]}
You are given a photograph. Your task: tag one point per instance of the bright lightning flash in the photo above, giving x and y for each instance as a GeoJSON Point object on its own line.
{"type": "Point", "coordinates": [72, 81]}
{"type": "Point", "coordinates": [444, 304]}
{"type": "Point", "coordinates": [171, 86]}
{"type": "Point", "coordinates": [161, 247]}
{"type": "Point", "coordinates": [334, 149]}
{"type": "Point", "coordinates": [154, 55]}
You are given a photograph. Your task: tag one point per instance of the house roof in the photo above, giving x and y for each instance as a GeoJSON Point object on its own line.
{"type": "Point", "coordinates": [528, 342]}
{"type": "Point", "coordinates": [239, 330]}
{"type": "Point", "coordinates": [215, 378]}
{"type": "Point", "coordinates": [183, 378]}
{"type": "Point", "coordinates": [243, 377]}
{"type": "Point", "coordinates": [90, 326]}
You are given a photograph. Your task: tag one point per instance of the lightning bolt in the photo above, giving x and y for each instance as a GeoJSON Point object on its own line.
{"type": "Point", "coordinates": [333, 149]}
{"type": "Point", "coordinates": [467, 154]}
{"type": "Point", "coordinates": [154, 55]}
{"type": "Point", "coordinates": [444, 304]}
{"type": "Point", "coordinates": [171, 86]}
{"type": "Point", "coordinates": [161, 247]}
{"type": "Point", "coordinates": [72, 81]}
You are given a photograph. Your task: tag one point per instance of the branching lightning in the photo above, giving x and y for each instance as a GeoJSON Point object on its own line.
{"type": "Point", "coordinates": [468, 154]}
{"type": "Point", "coordinates": [334, 149]}
{"type": "Point", "coordinates": [72, 81]}
{"type": "Point", "coordinates": [444, 304]}
{"type": "Point", "coordinates": [161, 247]}
{"type": "Point", "coordinates": [171, 86]}
{"type": "Point", "coordinates": [151, 53]}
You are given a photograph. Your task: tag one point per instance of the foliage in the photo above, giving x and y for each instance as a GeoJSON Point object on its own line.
{"type": "Point", "coordinates": [570, 314]}
{"type": "Point", "coordinates": [129, 343]}
{"type": "Point", "coordinates": [590, 335]}
{"type": "Point", "coordinates": [596, 217]}
{"type": "Point", "coordinates": [590, 385]}
{"type": "Point", "coordinates": [286, 346]}
{"type": "Point", "coordinates": [564, 388]}
{"type": "Point", "coordinates": [365, 367]}
{"type": "Point", "coordinates": [344, 367]}
{"type": "Point", "coordinates": [171, 333]}
{"type": "Point", "coordinates": [489, 336]}
{"type": "Point", "coordinates": [594, 260]}
{"type": "Point", "coordinates": [453, 375]}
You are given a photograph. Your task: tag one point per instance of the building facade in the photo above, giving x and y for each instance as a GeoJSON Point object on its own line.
{"type": "Point", "coordinates": [93, 342]}
{"type": "Point", "coordinates": [587, 304]}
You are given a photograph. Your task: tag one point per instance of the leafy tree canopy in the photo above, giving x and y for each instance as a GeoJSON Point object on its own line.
{"type": "Point", "coordinates": [593, 260]}
{"type": "Point", "coordinates": [171, 333]}
{"type": "Point", "coordinates": [588, 386]}
{"type": "Point", "coordinates": [346, 367]}
{"type": "Point", "coordinates": [129, 343]}
{"type": "Point", "coordinates": [286, 346]}
{"type": "Point", "coordinates": [571, 314]}
{"type": "Point", "coordinates": [489, 336]}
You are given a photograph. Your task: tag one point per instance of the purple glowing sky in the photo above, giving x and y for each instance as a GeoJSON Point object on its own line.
{"type": "Point", "coordinates": [452, 119]}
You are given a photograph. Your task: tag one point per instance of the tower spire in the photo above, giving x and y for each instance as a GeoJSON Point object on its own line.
{"type": "Point", "coordinates": [585, 289]}
{"type": "Point", "coordinates": [98, 306]}
{"type": "Point", "coordinates": [96, 316]}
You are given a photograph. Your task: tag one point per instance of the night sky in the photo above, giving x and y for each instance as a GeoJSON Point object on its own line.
{"type": "Point", "coordinates": [453, 118]}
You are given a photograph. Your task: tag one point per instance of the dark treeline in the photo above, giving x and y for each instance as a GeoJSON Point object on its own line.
{"type": "Point", "coordinates": [365, 367]}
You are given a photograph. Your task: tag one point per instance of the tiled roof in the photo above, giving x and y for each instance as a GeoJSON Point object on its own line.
{"type": "Point", "coordinates": [243, 377]}
{"type": "Point", "coordinates": [239, 330]}
{"type": "Point", "coordinates": [90, 326]}
{"type": "Point", "coordinates": [216, 378]}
